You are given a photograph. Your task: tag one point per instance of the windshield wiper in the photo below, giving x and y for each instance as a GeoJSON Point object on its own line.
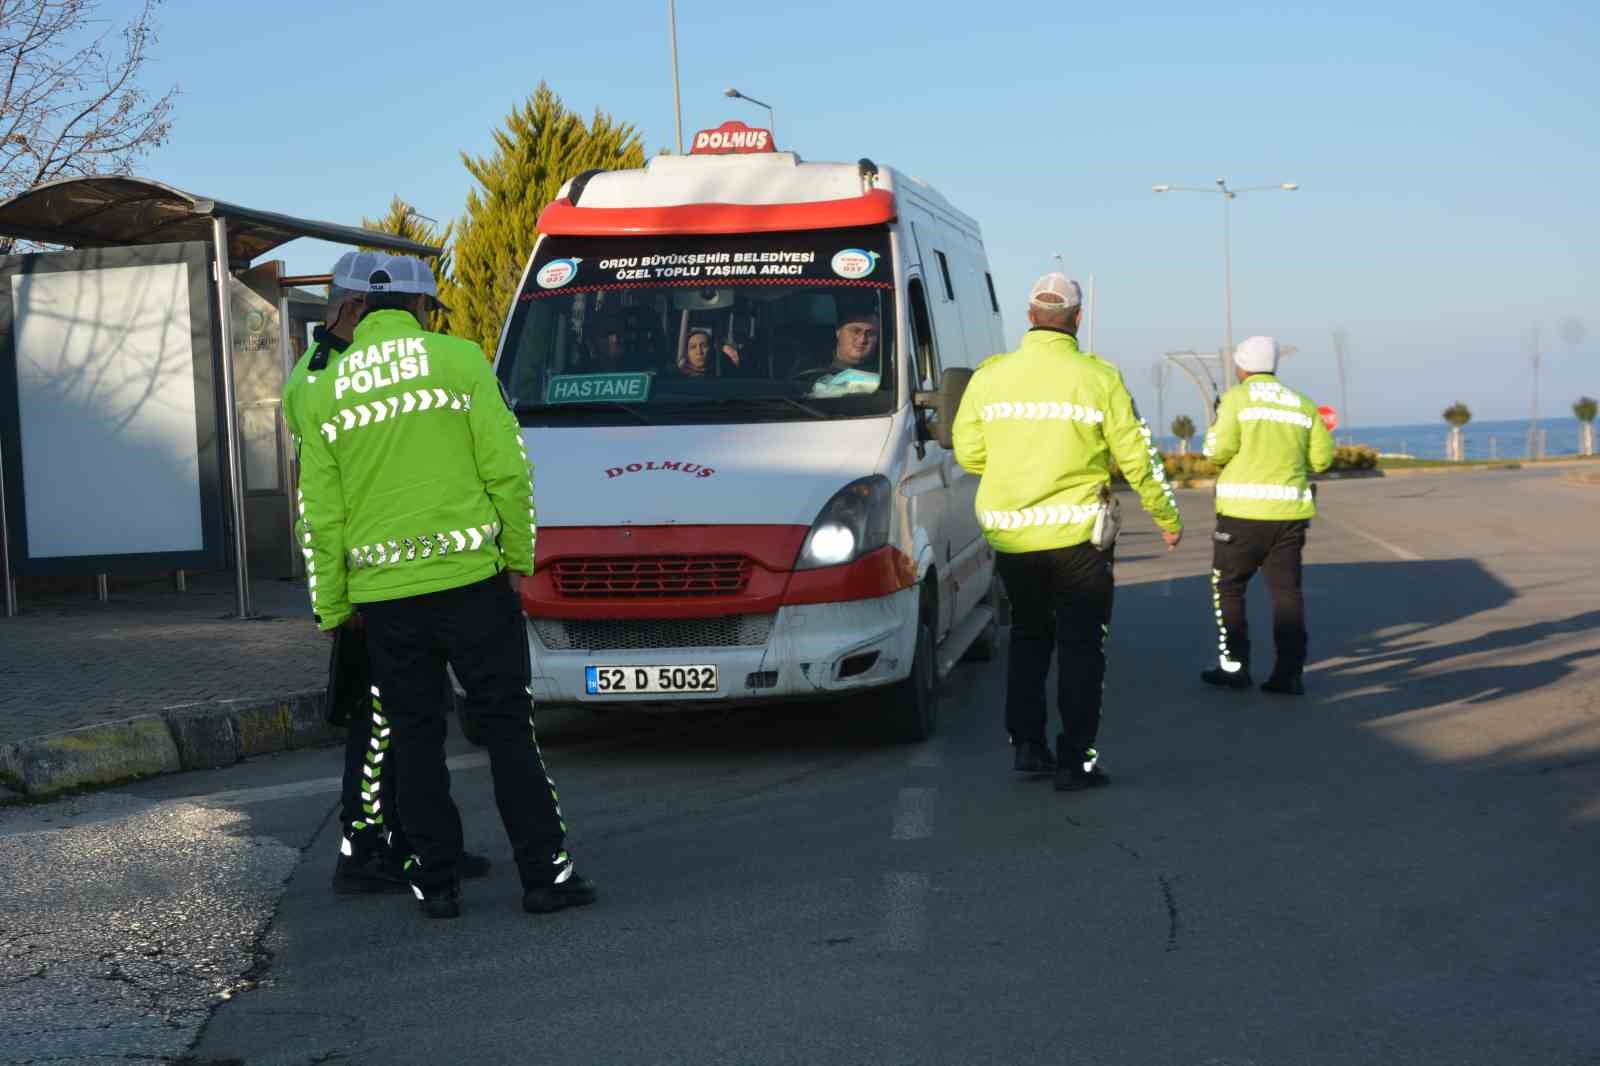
{"type": "Point", "coordinates": [590, 407]}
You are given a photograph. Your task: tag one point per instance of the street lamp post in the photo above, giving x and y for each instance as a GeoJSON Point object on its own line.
{"type": "Point", "coordinates": [772, 123]}
{"type": "Point", "coordinates": [1227, 195]}
{"type": "Point", "coordinates": [677, 98]}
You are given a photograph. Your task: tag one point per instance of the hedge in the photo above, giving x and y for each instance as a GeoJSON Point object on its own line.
{"type": "Point", "coordinates": [1181, 468]}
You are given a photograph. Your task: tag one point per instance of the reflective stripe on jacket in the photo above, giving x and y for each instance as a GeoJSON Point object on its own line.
{"type": "Point", "coordinates": [413, 474]}
{"type": "Point", "coordinates": [1041, 426]}
{"type": "Point", "coordinates": [1268, 439]}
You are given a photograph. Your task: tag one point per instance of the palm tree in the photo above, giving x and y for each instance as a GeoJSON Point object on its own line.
{"type": "Point", "coordinates": [1183, 429]}
{"type": "Point", "coordinates": [1586, 409]}
{"type": "Point", "coordinates": [1458, 415]}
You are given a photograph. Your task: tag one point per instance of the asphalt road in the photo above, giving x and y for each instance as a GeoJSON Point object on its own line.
{"type": "Point", "coordinates": [1399, 868]}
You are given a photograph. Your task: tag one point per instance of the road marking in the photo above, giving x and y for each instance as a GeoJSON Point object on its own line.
{"type": "Point", "coordinates": [905, 904]}
{"type": "Point", "coordinates": [929, 756]}
{"type": "Point", "coordinates": [1395, 550]}
{"type": "Point", "coordinates": [913, 814]}
{"type": "Point", "coordinates": [269, 793]}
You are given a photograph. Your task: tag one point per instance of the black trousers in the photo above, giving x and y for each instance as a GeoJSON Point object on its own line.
{"type": "Point", "coordinates": [479, 630]}
{"type": "Point", "coordinates": [370, 781]}
{"type": "Point", "coordinates": [367, 805]}
{"type": "Point", "coordinates": [366, 793]}
{"type": "Point", "coordinates": [1060, 603]}
{"type": "Point", "coordinates": [1240, 547]}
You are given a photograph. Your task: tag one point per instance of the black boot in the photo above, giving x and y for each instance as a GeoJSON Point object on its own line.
{"type": "Point", "coordinates": [557, 887]}
{"type": "Point", "coordinates": [1074, 774]}
{"type": "Point", "coordinates": [1285, 683]}
{"type": "Point", "coordinates": [1033, 757]}
{"type": "Point", "coordinates": [366, 865]}
{"type": "Point", "coordinates": [438, 898]}
{"type": "Point", "coordinates": [440, 902]}
{"type": "Point", "coordinates": [1237, 680]}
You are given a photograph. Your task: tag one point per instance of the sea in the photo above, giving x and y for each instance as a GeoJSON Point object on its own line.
{"type": "Point", "coordinates": [1482, 440]}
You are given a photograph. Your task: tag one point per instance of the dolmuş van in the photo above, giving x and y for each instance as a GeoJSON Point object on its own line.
{"type": "Point", "coordinates": [728, 369]}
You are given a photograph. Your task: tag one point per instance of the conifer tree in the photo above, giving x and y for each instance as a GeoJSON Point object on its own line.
{"type": "Point", "coordinates": [540, 146]}
{"type": "Point", "coordinates": [402, 220]}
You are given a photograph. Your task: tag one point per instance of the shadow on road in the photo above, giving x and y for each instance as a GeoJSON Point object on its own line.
{"type": "Point", "coordinates": [1396, 638]}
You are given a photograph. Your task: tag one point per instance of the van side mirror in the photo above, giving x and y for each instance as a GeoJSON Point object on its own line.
{"type": "Point", "coordinates": [944, 403]}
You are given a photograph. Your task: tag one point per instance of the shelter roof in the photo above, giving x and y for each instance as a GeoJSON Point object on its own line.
{"type": "Point", "coordinates": [100, 212]}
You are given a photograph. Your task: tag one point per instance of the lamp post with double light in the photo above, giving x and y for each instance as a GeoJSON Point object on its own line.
{"type": "Point", "coordinates": [772, 124]}
{"type": "Point", "coordinates": [1227, 195]}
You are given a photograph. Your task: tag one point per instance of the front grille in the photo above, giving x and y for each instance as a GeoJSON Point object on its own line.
{"type": "Point", "coordinates": [622, 634]}
{"type": "Point", "coordinates": [644, 576]}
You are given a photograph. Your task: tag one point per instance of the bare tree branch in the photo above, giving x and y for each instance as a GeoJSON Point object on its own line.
{"type": "Point", "coordinates": [71, 101]}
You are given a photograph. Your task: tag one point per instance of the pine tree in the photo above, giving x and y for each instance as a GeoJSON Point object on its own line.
{"type": "Point", "coordinates": [541, 146]}
{"type": "Point", "coordinates": [403, 221]}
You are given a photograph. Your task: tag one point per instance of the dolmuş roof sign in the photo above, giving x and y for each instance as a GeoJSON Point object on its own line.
{"type": "Point", "coordinates": [731, 138]}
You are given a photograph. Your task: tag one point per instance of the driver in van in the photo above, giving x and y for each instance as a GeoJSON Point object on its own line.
{"type": "Point", "coordinates": [606, 348]}
{"type": "Point", "coordinates": [855, 341]}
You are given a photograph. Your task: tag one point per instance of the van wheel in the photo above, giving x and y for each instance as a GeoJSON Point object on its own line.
{"type": "Point", "coordinates": [914, 702]}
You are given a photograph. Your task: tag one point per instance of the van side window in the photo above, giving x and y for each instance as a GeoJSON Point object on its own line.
{"type": "Point", "coordinates": [922, 336]}
{"type": "Point", "coordinates": [944, 270]}
{"type": "Point", "coordinates": [993, 300]}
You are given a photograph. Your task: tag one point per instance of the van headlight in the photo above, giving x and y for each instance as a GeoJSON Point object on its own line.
{"type": "Point", "coordinates": [853, 523]}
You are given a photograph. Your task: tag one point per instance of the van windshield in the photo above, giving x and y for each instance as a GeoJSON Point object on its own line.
{"type": "Point", "coordinates": [706, 329]}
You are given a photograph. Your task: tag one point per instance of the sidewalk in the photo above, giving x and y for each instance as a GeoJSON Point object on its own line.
{"type": "Point", "coordinates": [155, 681]}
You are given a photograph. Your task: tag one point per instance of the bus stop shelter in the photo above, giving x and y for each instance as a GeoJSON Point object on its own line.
{"type": "Point", "coordinates": [141, 376]}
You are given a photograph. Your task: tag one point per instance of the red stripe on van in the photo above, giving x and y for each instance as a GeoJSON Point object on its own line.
{"type": "Point", "coordinates": [561, 218]}
{"type": "Point", "coordinates": [877, 573]}
{"type": "Point", "coordinates": [623, 553]}
{"type": "Point", "coordinates": [625, 558]}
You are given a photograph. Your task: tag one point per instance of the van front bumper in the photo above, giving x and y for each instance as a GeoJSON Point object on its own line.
{"type": "Point", "coordinates": [808, 650]}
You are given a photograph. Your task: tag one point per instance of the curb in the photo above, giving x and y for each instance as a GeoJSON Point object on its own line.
{"type": "Point", "coordinates": [196, 736]}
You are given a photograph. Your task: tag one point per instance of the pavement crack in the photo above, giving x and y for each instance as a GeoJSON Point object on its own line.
{"type": "Point", "coordinates": [1172, 911]}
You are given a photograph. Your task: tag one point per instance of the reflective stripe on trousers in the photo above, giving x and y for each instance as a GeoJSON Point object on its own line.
{"type": "Point", "coordinates": [1224, 659]}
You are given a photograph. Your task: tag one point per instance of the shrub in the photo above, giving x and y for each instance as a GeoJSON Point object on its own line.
{"type": "Point", "coordinates": [1355, 457]}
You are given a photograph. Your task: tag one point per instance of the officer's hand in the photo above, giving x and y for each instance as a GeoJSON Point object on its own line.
{"type": "Point", "coordinates": [514, 579]}
{"type": "Point", "coordinates": [1172, 539]}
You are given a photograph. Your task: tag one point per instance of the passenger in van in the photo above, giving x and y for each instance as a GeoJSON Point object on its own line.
{"type": "Point", "coordinates": [852, 368]}
{"type": "Point", "coordinates": [695, 361]}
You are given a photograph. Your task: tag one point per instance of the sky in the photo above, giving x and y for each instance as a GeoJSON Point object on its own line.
{"type": "Point", "coordinates": [1446, 153]}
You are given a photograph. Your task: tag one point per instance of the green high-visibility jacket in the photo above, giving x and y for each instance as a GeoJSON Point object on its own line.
{"type": "Point", "coordinates": [1041, 426]}
{"type": "Point", "coordinates": [413, 474]}
{"type": "Point", "coordinates": [299, 375]}
{"type": "Point", "coordinates": [1269, 440]}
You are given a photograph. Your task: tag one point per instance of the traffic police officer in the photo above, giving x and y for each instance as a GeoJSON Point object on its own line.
{"type": "Point", "coordinates": [1040, 426]}
{"type": "Point", "coordinates": [372, 846]}
{"type": "Point", "coordinates": [417, 496]}
{"type": "Point", "coordinates": [1268, 439]}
